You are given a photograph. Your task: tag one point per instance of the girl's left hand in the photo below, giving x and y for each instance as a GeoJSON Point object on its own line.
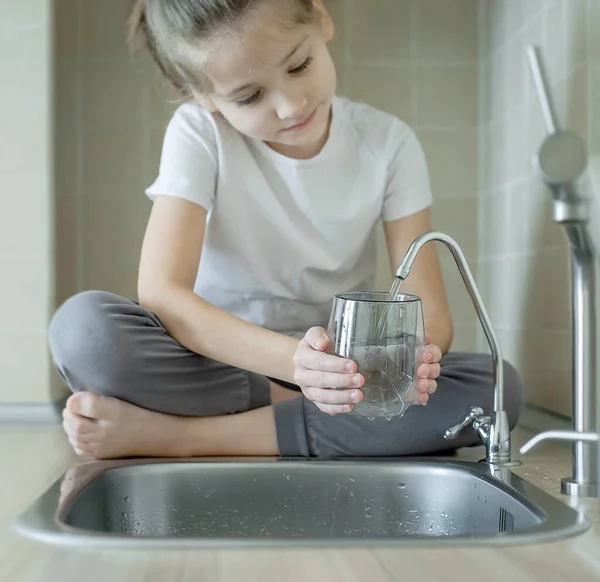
{"type": "Point", "coordinates": [428, 371]}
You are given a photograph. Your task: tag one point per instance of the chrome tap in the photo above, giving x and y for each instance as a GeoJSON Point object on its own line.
{"type": "Point", "coordinates": [561, 160]}
{"type": "Point", "coordinates": [494, 429]}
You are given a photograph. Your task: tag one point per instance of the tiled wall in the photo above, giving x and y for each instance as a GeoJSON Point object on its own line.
{"type": "Point", "coordinates": [524, 259]}
{"type": "Point", "coordinates": [26, 267]}
{"type": "Point", "coordinates": [418, 60]}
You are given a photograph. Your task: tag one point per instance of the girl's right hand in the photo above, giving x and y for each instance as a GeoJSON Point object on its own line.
{"type": "Point", "coordinates": [327, 380]}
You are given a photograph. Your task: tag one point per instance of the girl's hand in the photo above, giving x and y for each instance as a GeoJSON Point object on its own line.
{"type": "Point", "coordinates": [428, 371]}
{"type": "Point", "coordinates": [317, 372]}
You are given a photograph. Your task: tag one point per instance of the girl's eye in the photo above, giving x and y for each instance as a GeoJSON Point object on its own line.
{"type": "Point", "coordinates": [302, 67]}
{"type": "Point", "coordinates": [250, 100]}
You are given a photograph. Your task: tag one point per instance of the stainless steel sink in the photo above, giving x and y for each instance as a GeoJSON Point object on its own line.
{"type": "Point", "coordinates": [267, 502]}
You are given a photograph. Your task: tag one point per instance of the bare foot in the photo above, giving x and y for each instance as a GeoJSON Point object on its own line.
{"type": "Point", "coordinates": [107, 428]}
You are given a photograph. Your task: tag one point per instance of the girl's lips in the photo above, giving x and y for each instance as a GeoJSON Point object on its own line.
{"type": "Point", "coordinates": [304, 124]}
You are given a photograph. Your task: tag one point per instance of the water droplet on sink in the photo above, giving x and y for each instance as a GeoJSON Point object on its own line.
{"type": "Point", "coordinates": [352, 479]}
{"type": "Point", "coordinates": [351, 493]}
{"type": "Point", "coordinates": [371, 418]}
{"type": "Point", "coordinates": [401, 485]}
{"type": "Point", "coordinates": [126, 499]}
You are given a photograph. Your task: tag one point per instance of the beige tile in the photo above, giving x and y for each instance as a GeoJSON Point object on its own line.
{"type": "Point", "coordinates": [112, 164]}
{"type": "Point", "coordinates": [576, 33]}
{"type": "Point", "coordinates": [554, 43]}
{"type": "Point", "coordinates": [464, 338]}
{"type": "Point", "coordinates": [112, 97]}
{"type": "Point", "coordinates": [525, 226]}
{"type": "Point", "coordinates": [577, 106]}
{"type": "Point", "coordinates": [67, 99]}
{"type": "Point", "coordinates": [511, 343]}
{"type": "Point", "coordinates": [29, 79]}
{"type": "Point", "coordinates": [25, 215]}
{"type": "Point", "coordinates": [495, 223]}
{"type": "Point", "coordinates": [518, 157]}
{"type": "Point", "coordinates": [452, 160]}
{"type": "Point", "coordinates": [21, 14]}
{"type": "Point", "coordinates": [497, 23]}
{"type": "Point", "coordinates": [551, 279]}
{"type": "Point", "coordinates": [549, 386]}
{"type": "Point", "coordinates": [515, 71]}
{"type": "Point", "coordinates": [457, 217]}
{"type": "Point", "coordinates": [114, 228]}
{"type": "Point", "coordinates": [30, 43]}
{"type": "Point", "coordinates": [66, 23]}
{"type": "Point", "coordinates": [379, 30]}
{"type": "Point", "coordinates": [67, 247]}
{"type": "Point", "coordinates": [67, 163]}
{"type": "Point", "coordinates": [593, 25]}
{"type": "Point", "coordinates": [461, 306]}
{"type": "Point", "coordinates": [163, 98]}
{"type": "Point", "coordinates": [337, 46]}
{"type": "Point", "coordinates": [507, 292]}
{"type": "Point", "coordinates": [498, 162]}
{"type": "Point", "coordinates": [515, 18]}
{"type": "Point", "coordinates": [386, 88]}
{"type": "Point", "coordinates": [485, 90]}
{"type": "Point", "coordinates": [20, 380]}
{"type": "Point", "coordinates": [25, 291]}
{"type": "Point", "coordinates": [498, 81]}
{"type": "Point", "coordinates": [532, 9]}
{"type": "Point", "coordinates": [104, 28]}
{"type": "Point", "coordinates": [484, 160]}
{"type": "Point", "coordinates": [385, 274]}
{"type": "Point", "coordinates": [447, 31]}
{"type": "Point", "coordinates": [447, 97]}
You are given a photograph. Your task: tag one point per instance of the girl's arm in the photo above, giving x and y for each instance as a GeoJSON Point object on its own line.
{"type": "Point", "coordinates": [168, 267]}
{"type": "Point", "coordinates": [425, 279]}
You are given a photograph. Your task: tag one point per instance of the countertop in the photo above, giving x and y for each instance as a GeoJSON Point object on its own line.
{"type": "Point", "coordinates": [33, 457]}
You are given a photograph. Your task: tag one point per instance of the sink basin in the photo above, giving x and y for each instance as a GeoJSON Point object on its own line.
{"type": "Point", "coordinates": [266, 502]}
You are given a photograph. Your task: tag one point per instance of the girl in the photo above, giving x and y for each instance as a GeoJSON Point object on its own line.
{"type": "Point", "coordinates": [265, 206]}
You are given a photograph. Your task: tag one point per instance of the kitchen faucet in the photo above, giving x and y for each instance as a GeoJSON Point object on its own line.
{"type": "Point", "coordinates": [561, 160]}
{"type": "Point", "coordinates": [494, 429]}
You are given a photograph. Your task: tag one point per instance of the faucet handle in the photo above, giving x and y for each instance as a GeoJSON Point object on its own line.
{"type": "Point", "coordinates": [473, 415]}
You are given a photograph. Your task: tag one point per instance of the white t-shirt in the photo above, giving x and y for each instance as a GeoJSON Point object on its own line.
{"type": "Point", "coordinates": [283, 236]}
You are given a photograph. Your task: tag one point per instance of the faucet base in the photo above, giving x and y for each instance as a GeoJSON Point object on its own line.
{"type": "Point", "coordinates": [504, 463]}
{"type": "Point", "coordinates": [574, 489]}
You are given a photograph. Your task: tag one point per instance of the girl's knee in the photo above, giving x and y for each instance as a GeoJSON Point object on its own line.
{"type": "Point", "coordinates": [86, 341]}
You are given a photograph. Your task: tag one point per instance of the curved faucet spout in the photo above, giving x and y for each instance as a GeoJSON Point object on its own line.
{"type": "Point", "coordinates": [498, 439]}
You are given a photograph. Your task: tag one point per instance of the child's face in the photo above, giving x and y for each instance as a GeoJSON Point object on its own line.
{"type": "Point", "coordinates": [286, 79]}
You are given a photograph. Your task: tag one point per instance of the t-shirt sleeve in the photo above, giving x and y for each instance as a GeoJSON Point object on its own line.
{"type": "Point", "coordinates": [188, 163]}
{"type": "Point", "coordinates": [408, 188]}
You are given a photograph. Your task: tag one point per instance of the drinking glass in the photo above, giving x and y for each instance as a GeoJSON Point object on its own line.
{"type": "Point", "coordinates": [386, 339]}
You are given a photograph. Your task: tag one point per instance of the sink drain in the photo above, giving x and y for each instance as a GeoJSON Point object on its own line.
{"type": "Point", "coordinates": [506, 521]}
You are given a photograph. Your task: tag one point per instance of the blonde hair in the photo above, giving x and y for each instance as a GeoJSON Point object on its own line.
{"type": "Point", "coordinates": [171, 29]}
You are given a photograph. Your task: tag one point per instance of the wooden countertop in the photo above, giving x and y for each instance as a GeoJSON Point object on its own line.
{"type": "Point", "coordinates": [32, 458]}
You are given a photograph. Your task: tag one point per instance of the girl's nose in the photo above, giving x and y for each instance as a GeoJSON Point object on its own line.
{"type": "Point", "coordinates": [291, 107]}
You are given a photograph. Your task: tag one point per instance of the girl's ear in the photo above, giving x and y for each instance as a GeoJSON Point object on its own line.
{"type": "Point", "coordinates": [206, 102]}
{"type": "Point", "coordinates": [324, 19]}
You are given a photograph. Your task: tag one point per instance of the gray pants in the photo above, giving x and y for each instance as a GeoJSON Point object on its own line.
{"type": "Point", "coordinates": [109, 345]}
